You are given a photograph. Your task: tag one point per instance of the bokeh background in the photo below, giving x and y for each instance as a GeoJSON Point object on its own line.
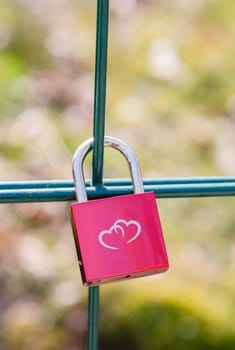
{"type": "Point", "coordinates": [171, 96]}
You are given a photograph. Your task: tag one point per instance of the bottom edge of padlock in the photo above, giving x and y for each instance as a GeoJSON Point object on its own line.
{"type": "Point", "coordinates": [123, 277]}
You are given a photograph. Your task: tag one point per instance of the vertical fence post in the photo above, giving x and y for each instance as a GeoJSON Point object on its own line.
{"type": "Point", "coordinates": [100, 89]}
{"type": "Point", "coordinates": [98, 148]}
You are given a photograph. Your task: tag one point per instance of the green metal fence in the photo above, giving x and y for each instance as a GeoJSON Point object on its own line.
{"type": "Point", "coordinates": [50, 191]}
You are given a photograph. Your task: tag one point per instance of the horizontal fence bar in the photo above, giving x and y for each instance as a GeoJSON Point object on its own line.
{"type": "Point", "coordinates": [51, 184]}
{"type": "Point", "coordinates": [181, 190]}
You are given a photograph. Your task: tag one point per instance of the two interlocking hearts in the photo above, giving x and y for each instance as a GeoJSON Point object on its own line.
{"type": "Point", "coordinates": [121, 232]}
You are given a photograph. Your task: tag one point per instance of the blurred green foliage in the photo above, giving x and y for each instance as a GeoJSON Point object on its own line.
{"type": "Point", "coordinates": [171, 96]}
{"type": "Point", "coordinates": [166, 322]}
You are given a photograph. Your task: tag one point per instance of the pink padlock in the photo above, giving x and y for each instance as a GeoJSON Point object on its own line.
{"type": "Point", "coordinates": [117, 237]}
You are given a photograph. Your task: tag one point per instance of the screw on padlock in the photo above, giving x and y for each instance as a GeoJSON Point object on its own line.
{"type": "Point", "coordinates": [117, 237]}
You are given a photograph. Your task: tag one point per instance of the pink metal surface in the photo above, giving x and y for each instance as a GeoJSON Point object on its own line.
{"type": "Point", "coordinates": [118, 238]}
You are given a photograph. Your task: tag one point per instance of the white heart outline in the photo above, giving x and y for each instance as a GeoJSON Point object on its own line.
{"type": "Point", "coordinates": [114, 227]}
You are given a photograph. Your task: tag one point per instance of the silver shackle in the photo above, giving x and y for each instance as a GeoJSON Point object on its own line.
{"type": "Point", "coordinates": [112, 142]}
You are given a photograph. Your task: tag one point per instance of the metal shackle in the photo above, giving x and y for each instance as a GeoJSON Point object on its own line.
{"type": "Point", "coordinates": [86, 147]}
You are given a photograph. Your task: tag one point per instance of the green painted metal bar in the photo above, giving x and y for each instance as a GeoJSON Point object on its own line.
{"type": "Point", "coordinates": [100, 90]}
{"type": "Point", "coordinates": [98, 146]}
{"type": "Point", "coordinates": [93, 318]}
{"type": "Point", "coordinates": [161, 191]}
{"type": "Point", "coordinates": [53, 184]}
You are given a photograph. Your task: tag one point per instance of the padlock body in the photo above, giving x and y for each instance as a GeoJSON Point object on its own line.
{"type": "Point", "coordinates": [118, 238]}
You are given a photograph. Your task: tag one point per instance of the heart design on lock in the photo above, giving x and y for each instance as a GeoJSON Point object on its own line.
{"type": "Point", "coordinates": [120, 232]}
